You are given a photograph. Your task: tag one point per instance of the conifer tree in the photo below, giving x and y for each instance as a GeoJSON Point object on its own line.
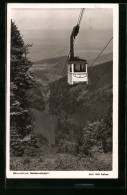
{"type": "Point", "coordinates": [21, 82]}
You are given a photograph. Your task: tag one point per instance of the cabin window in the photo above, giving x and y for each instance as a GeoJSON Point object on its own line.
{"type": "Point", "coordinates": [79, 67]}
{"type": "Point", "coordinates": [70, 68]}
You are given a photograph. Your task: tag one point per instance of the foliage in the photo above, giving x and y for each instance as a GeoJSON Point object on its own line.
{"type": "Point", "coordinates": [36, 97]}
{"type": "Point", "coordinates": [20, 105]}
{"type": "Point", "coordinates": [26, 160]}
{"type": "Point", "coordinates": [96, 137]}
{"type": "Point", "coordinates": [20, 82]}
{"type": "Point", "coordinates": [73, 138]}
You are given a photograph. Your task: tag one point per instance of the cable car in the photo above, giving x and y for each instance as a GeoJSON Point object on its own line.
{"type": "Point", "coordinates": [77, 71]}
{"type": "Point", "coordinates": [77, 68]}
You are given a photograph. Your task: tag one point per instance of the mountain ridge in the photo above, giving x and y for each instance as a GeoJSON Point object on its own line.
{"type": "Point", "coordinates": [103, 58]}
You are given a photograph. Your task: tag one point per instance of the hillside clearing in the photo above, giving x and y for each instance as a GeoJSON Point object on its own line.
{"type": "Point", "coordinates": [49, 161]}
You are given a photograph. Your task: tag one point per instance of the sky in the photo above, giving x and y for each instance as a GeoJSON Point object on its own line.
{"type": "Point", "coordinates": [62, 18]}
{"type": "Point", "coordinates": [49, 30]}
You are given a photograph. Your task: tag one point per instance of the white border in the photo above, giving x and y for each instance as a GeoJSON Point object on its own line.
{"type": "Point", "coordinates": [67, 174]}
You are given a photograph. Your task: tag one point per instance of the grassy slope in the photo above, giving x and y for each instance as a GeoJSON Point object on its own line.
{"type": "Point", "coordinates": [49, 161]}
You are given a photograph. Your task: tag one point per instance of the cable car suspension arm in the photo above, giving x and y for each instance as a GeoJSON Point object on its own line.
{"type": "Point", "coordinates": [74, 33]}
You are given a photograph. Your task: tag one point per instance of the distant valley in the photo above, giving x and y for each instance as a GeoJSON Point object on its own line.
{"type": "Point", "coordinates": [50, 69]}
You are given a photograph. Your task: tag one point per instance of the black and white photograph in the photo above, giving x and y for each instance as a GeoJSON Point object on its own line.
{"type": "Point", "coordinates": [62, 91]}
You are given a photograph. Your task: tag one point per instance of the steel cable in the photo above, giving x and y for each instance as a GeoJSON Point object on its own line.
{"type": "Point", "coordinates": [101, 52]}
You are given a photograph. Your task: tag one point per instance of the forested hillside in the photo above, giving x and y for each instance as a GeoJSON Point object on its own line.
{"type": "Point", "coordinates": [84, 112]}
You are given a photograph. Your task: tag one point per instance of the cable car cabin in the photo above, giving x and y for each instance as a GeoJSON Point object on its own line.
{"type": "Point", "coordinates": [77, 71]}
{"type": "Point", "coordinates": [77, 68]}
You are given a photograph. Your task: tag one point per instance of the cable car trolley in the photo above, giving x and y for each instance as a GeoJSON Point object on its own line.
{"type": "Point", "coordinates": [77, 68]}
